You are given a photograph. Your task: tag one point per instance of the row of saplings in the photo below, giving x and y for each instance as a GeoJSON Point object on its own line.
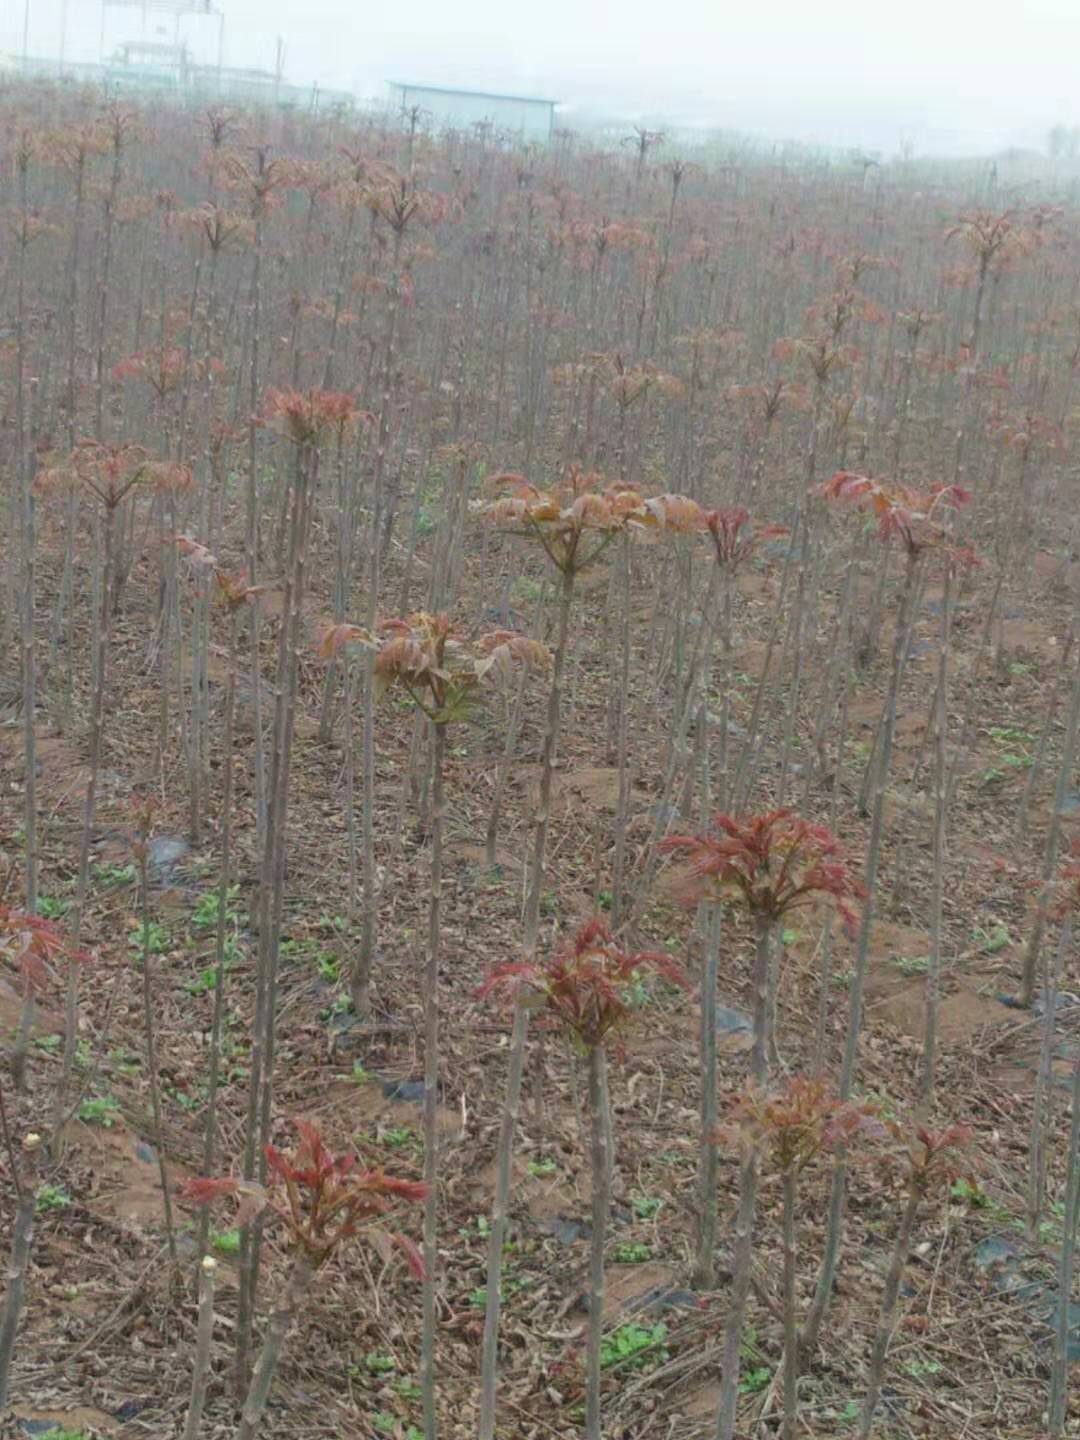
{"type": "Point", "coordinates": [765, 865]}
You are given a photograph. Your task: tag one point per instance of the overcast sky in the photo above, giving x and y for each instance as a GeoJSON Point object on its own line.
{"type": "Point", "coordinates": [951, 76]}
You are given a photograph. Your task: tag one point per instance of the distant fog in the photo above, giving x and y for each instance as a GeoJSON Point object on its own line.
{"type": "Point", "coordinates": [942, 78]}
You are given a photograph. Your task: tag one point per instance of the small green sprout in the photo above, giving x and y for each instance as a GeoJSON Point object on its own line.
{"type": "Point", "coordinates": [645, 1207]}
{"type": "Point", "coordinates": [918, 1368]}
{"type": "Point", "coordinates": [968, 1192]}
{"type": "Point", "coordinates": [634, 1346]}
{"type": "Point", "coordinates": [99, 1110]}
{"type": "Point", "coordinates": [51, 1197]}
{"type": "Point", "coordinates": [113, 876]}
{"type": "Point", "coordinates": [205, 914]}
{"type": "Point", "coordinates": [152, 937]}
{"type": "Point", "coordinates": [992, 940]}
{"type": "Point", "coordinates": [912, 964]}
{"type": "Point", "coordinates": [632, 1252]}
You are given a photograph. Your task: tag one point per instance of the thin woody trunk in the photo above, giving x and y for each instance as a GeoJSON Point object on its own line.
{"type": "Point", "coordinates": [97, 707]}
{"type": "Point", "coordinates": [937, 883]}
{"type": "Point", "coordinates": [204, 1336]}
{"type": "Point", "coordinates": [761, 986]}
{"type": "Point", "coordinates": [431, 1084]}
{"type": "Point", "coordinates": [513, 729]}
{"type": "Point", "coordinates": [1059, 1372]}
{"type": "Point", "coordinates": [103, 282]}
{"type": "Point", "coordinates": [708, 1156]}
{"type": "Point", "coordinates": [151, 1055]}
{"type": "Point", "coordinates": [251, 534]}
{"type": "Point", "coordinates": [296, 1292]}
{"type": "Point", "coordinates": [360, 974]}
{"type": "Point", "coordinates": [791, 1328]}
{"type": "Point", "coordinates": [21, 1048]}
{"type": "Point", "coordinates": [1041, 1109]}
{"type": "Point", "coordinates": [744, 774]}
{"type": "Point", "coordinates": [601, 1202]}
{"type": "Point", "coordinates": [699, 666]}
{"type": "Point", "coordinates": [1053, 839]}
{"type": "Point", "coordinates": [26, 527]}
{"type": "Point", "coordinates": [740, 1290]}
{"type": "Point", "coordinates": [519, 1033]}
{"type": "Point", "coordinates": [489, 1360]}
{"type": "Point", "coordinates": [888, 1310]}
{"type": "Point", "coordinates": [272, 886]}
{"type": "Point", "coordinates": [722, 780]}
{"type": "Point", "coordinates": [63, 617]}
{"type": "Point", "coordinates": [838, 1188]}
{"type": "Point", "coordinates": [22, 1236]}
{"type": "Point", "coordinates": [551, 741]}
{"type": "Point", "coordinates": [213, 1082]}
{"type": "Point", "coordinates": [1048, 726]}
{"type": "Point", "coordinates": [618, 883]}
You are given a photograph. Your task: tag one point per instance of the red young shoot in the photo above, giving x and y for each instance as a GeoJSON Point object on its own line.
{"type": "Point", "coordinates": [767, 864]}
{"type": "Point", "coordinates": [909, 516]}
{"type": "Point", "coordinates": [585, 988]}
{"type": "Point", "coordinates": [326, 1199]}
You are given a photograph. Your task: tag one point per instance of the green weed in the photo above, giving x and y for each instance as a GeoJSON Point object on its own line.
{"type": "Point", "coordinates": [918, 1368]}
{"type": "Point", "coordinates": [152, 937]}
{"type": "Point", "coordinates": [113, 876]}
{"type": "Point", "coordinates": [991, 940]}
{"type": "Point", "coordinates": [632, 1252]}
{"type": "Point", "coordinates": [205, 914]}
{"type": "Point", "coordinates": [645, 1207]}
{"type": "Point", "coordinates": [632, 1346]}
{"type": "Point", "coordinates": [912, 964]}
{"type": "Point", "coordinates": [99, 1110]}
{"type": "Point", "coordinates": [51, 1197]}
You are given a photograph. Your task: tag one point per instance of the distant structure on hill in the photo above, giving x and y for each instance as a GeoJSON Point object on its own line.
{"type": "Point", "coordinates": [168, 71]}
{"type": "Point", "coordinates": [526, 115]}
{"type": "Point", "coordinates": [178, 63]}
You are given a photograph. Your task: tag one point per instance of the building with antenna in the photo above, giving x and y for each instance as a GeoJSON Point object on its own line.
{"type": "Point", "coordinates": [173, 47]}
{"type": "Point", "coordinates": [151, 50]}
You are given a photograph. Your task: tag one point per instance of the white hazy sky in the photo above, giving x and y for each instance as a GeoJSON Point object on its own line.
{"type": "Point", "coordinates": [951, 76]}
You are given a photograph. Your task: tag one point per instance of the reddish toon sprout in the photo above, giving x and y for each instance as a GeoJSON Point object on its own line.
{"type": "Point", "coordinates": [303, 415]}
{"type": "Point", "coordinates": [35, 944]}
{"type": "Point", "coordinates": [769, 864]}
{"type": "Point", "coordinates": [585, 988]}
{"type": "Point", "coordinates": [578, 517]}
{"type": "Point", "coordinates": [734, 539]}
{"type": "Point", "coordinates": [911, 516]}
{"type": "Point", "coordinates": [326, 1198]}
{"type": "Point", "coordinates": [1068, 883]}
{"type": "Point", "coordinates": [934, 1156]}
{"type": "Point", "coordinates": [431, 658]}
{"type": "Point", "coordinates": [801, 1119]}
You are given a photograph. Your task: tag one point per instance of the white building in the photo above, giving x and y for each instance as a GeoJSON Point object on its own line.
{"type": "Point", "coordinates": [525, 114]}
